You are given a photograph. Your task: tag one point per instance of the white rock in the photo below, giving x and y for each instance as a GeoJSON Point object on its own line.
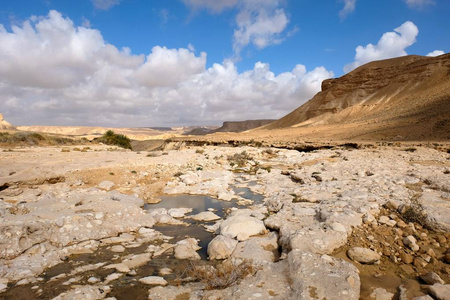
{"type": "Point", "coordinates": [440, 291]}
{"type": "Point", "coordinates": [221, 247]}
{"type": "Point", "coordinates": [381, 294]}
{"type": "Point", "coordinates": [179, 212]}
{"type": "Point", "coordinates": [187, 249]}
{"type": "Point", "coordinates": [153, 280]}
{"type": "Point", "coordinates": [93, 280]}
{"type": "Point", "coordinates": [205, 216]}
{"type": "Point", "coordinates": [106, 185]}
{"type": "Point", "coordinates": [363, 255]}
{"type": "Point", "coordinates": [338, 227]}
{"type": "Point", "coordinates": [241, 225]}
{"type": "Point", "coordinates": [118, 248]}
{"type": "Point", "coordinates": [112, 277]}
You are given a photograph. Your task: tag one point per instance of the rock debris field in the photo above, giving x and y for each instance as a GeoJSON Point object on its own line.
{"type": "Point", "coordinates": [341, 223]}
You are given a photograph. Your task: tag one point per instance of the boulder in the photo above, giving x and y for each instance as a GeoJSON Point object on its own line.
{"type": "Point", "coordinates": [241, 227]}
{"type": "Point", "coordinates": [179, 212]}
{"type": "Point", "coordinates": [432, 278]}
{"type": "Point", "coordinates": [187, 249]}
{"type": "Point", "coordinates": [221, 247]}
{"type": "Point", "coordinates": [363, 255]}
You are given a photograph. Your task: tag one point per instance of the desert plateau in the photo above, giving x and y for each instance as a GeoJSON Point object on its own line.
{"type": "Point", "coordinates": [202, 170]}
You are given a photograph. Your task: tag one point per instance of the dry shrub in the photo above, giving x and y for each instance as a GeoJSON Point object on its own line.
{"type": "Point", "coordinates": [222, 275]}
{"type": "Point", "coordinates": [415, 213]}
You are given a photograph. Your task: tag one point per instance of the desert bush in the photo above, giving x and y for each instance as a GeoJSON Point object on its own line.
{"type": "Point", "coordinates": [111, 138]}
{"type": "Point", "coordinates": [239, 159]}
{"type": "Point", "coordinates": [415, 213]}
{"type": "Point", "coordinates": [222, 275]}
{"type": "Point", "coordinates": [199, 151]}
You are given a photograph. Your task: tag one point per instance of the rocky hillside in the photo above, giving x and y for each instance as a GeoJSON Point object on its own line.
{"type": "Point", "coordinates": [242, 125]}
{"type": "Point", "coordinates": [408, 96]}
{"type": "Point", "coordinates": [5, 124]}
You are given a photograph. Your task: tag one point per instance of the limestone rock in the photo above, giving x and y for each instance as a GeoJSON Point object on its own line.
{"type": "Point", "coordinates": [221, 247]}
{"type": "Point", "coordinates": [153, 280]}
{"type": "Point", "coordinates": [205, 216]}
{"type": "Point", "coordinates": [440, 291]}
{"type": "Point", "coordinates": [85, 292]}
{"type": "Point", "coordinates": [257, 249]}
{"type": "Point", "coordinates": [106, 185]}
{"type": "Point", "coordinates": [241, 227]}
{"type": "Point", "coordinates": [179, 212]}
{"type": "Point", "coordinates": [187, 249]}
{"type": "Point", "coordinates": [381, 294]}
{"type": "Point", "coordinates": [363, 255]}
{"type": "Point", "coordinates": [323, 277]}
{"type": "Point", "coordinates": [432, 278]}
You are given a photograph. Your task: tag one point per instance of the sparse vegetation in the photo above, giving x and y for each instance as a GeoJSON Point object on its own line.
{"type": "Point", "coordinates": [239, 159]}
{"type": "Point", "coordinates": [199, 151]}
{"type": "Point", "coordinates": [111, 138]}
{"type": "Point", "coordinates": [33, 139]}
{"type": "Point", "coordinates": [411, 149]}
{"type": "Point", "coordinates": [415, 213]}
{"type": "Point", "coordinates": [222, 275]}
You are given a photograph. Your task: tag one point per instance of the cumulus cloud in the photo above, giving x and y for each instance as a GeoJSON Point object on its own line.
{"type": "Point", "coordinates": [436, 53]}
{"type": "Point", "coordinates": [105, 4]}
{"type": "Point", "coordinates": [418, 4]}
{"type": "Point", "coordinates": [259, 22]}
{"type": "Point", "coordinates": [391, 44]}
{"type": "Point", "coordinates": [349, 7]}
{"type": "Point", "coordinates": [215, 6]}
{"type": "Point", "coordinates": [52, 72]}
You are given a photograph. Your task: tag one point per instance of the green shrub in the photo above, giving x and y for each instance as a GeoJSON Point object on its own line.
{"type": "Point", "coordinates": [111, 138]}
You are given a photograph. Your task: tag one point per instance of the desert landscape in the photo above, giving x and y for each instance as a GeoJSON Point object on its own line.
{"type": "Point", "coordinates": [341, 199]}
{"type": "Point", "coordinates": [226, 149]}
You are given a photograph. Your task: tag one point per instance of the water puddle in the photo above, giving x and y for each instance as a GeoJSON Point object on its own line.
{"type": "Point", "coordinates": [128, 286]}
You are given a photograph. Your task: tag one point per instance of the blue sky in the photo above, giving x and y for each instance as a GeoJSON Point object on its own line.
{"type": "Point", "coordinates": [194, 62]}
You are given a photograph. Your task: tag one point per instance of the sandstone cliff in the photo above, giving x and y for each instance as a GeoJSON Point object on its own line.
{"type": "Point", "coordinates": [407, 95]}
{"type": "Point", "coordinates": [4, 124]}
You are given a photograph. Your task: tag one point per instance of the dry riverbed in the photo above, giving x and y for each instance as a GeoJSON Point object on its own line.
{"type": "Point", "coordinates": [100, 222]}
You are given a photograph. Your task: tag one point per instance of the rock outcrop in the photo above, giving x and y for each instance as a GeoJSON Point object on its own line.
{"type": "Point", "coordinates": [5, 124]}
{"type": "Point", "coordinates": [406, 96]}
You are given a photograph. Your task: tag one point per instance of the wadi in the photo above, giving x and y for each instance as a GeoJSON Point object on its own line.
{"type": "Point", "coordinates": [346, 197]}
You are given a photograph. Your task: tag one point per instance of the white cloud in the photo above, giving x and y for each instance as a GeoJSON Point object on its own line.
{"type": "Point", "coordinates": [436, 53]}
{"type": "Point", "coordinates": [391, 44]}
{"type": "Point", "coordinates": [215, 6]}
{"type": "Point", "coordinates": [418, 4]}
{"type": "Point", "coordinates": [105, 4]}
{"type": "Point", "coordinates": [52, 72]}
{"type": "Point", "coordinates": [349, 7]}
{"type": "Point", "coordinates": [259, 22]}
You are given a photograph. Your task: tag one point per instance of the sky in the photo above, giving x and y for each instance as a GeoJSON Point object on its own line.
{"type": "Point", "coordinates": [142, 63]}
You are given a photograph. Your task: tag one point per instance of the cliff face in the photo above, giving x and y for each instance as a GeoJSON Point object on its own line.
{"type": "Point", "coordinates": [410, 89]}
{"type": "Point", "coordinates": [240, 126]}
{"type": "Point", "coordinates": [4, 124]}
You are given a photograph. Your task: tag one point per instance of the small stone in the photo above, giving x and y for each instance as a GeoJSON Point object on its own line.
{"type": "Point", "coordinates": [406, 258]}
{"type": "Point", "coordinates": [419, 262]}
{"type": "Point", "coordinates": [112, 277]}
{"type": "Point", "coordinates": [410, 242]}
{"type": "Point", "coordinates": [106, 185]}
{"type": "Point", "coordinates": [432, 278]}
{"type": "Point", "coordinates": [205, 216]}
{"type": "Point", "coordinates": [401, 224]}
{"type": "Point", "coordinates": [153, 280]}
{"type": "Point", "coordinates": [363, 255]}
{"type": "Point", "coordinates": [391, 223]}
{"type": "Point", "coordinates": [381, 294]}
{"type": "Point", "coordinates": [93, 280]}
{"type": "Point", "coordinates": [407, 269]}
{"type": "Point", "coordinates": [383, 220]}
{"type": "Point", "coordinates": [118, 248]}
{"type": "Point", "coordinates": [165, 271]}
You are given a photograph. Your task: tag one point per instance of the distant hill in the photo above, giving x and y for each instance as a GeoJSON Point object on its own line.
{"type": "Point", "coordinates": [229, 126]}
{"type": "Point", "coordinates": [407, 96]}
{"type": "Point", "coordinates": [5, 124]}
